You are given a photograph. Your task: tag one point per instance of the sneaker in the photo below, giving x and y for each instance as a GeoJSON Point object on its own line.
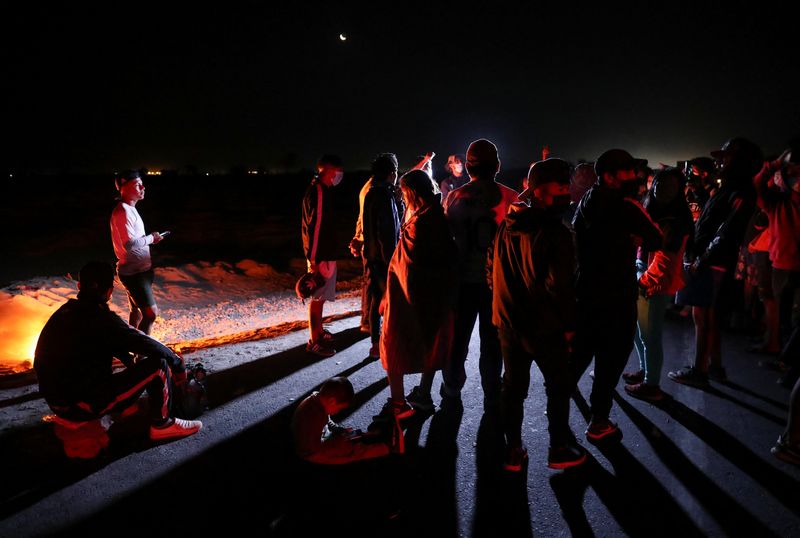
{"type": "Point", "coordinates": [419, 401]}
{"type": "Point", "coordinates": [327, 337]}
{"type": "Point", "coordinates": [392, 409]}
{"type": "Point", "coordinates": [688, 375]}
{"type": "Point", "coordinates": [632, 378]}
{"type": "Point", "coordinates": [599, 429]}
{"type": "Point", "coordinates": [516, 457]}
{"type": "Point", "coordinates": [717, 373]}
{"type": "Point", "coordinates": [175, 429]}
{"type": "Point", "coordinates": [566, 456]}
{"type": "Point", "coordinates": [320, 349]}
{"type": "Point", "coordinates": [643, 391]}
{"type": "Point", "coordinates": [786, 452]}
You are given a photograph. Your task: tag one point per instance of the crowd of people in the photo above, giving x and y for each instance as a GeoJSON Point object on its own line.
{"type": "Point", "coordinates": [582, 265]}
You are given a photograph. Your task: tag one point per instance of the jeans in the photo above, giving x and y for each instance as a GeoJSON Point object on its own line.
{"type": "Point", "coordinates": [551, 358]}
{"type": "Point", "coordinates": [474, 302]}
{"type": "Point", "coordinates": [648, 339]}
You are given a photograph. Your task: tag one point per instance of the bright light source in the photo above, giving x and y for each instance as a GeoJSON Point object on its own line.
{"type": "Point", "coordinates": [208, 173]}
{"type": "Point", "coordinates": [342, 37]}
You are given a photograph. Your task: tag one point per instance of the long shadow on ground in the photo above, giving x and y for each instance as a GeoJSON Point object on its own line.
{"type": "Point", "coordinates": [635, 498]}
{"type": "Point", "coordinates": [734, 518]}
{"type": "Point", "coordinates": [36, 462]}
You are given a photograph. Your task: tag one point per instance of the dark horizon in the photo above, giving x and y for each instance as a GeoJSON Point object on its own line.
{"type": "Point", "coordinates": [164, 87]}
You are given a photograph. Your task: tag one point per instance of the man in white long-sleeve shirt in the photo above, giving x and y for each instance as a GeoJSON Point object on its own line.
{"type": "Point", "coordinates": [132, 248]}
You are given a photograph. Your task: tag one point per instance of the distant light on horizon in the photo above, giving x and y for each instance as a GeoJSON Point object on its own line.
{"type": "Point", "coordinates": [154, 172]}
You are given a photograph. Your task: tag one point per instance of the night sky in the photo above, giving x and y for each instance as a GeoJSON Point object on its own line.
{"type": "Point", "coordinates": [255, 84]}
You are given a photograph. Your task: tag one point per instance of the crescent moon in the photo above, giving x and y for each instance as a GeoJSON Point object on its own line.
{"type": "Point", "coordinates": [342, 37]}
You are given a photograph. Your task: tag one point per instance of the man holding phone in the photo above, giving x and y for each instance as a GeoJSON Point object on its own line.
{"type": "Point", "coordinates": [132, 248]}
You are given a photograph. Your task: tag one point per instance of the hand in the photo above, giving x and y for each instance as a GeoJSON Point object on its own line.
{"type": "Point", "coordinates": [179, 378]}
{"type": "Point", "coordinates": [156, 238]}
{"type": "Point", "coordinates": [312, 266]}
{"type": "Point", "coordinates": [356, 247]}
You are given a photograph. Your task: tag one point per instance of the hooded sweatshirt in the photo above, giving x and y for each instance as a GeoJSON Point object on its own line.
{"type": "Point", "coordinates": [532, 273]}
{"type": "Point", "coordinates": [605, 226]}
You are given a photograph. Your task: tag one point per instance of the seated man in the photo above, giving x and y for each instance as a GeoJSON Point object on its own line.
{"type": "Point", "coordinates": [320, 440]}
{"type": "Point", "coordinates": [74, 358]}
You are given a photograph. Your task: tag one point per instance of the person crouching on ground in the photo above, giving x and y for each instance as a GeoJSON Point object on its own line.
{"type": "Point", "coordinates": [418, 309]}
{"type": "Point", "coordinates": [74, 355]}
{"type": "Point", "coordinates": [533, 308]}
{"type": "Point", "coordinates": [320, 246]}
{"type": "Point", "coordinates": [318, 439]}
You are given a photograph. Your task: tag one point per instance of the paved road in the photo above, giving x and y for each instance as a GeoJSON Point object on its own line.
{"type": "Point", "coordinates": [699, 464]}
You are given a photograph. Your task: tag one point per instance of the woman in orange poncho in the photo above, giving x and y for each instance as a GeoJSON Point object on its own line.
{"type": "Point", "coordinates": [418, 308]}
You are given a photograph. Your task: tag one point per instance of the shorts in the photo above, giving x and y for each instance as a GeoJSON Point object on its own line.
{"type": "Point", "coordinates": [140, 289]}
{"type": "Point", "coordinates": [326, 292]}
{"type": "Point", "coordinates": [702, 288]}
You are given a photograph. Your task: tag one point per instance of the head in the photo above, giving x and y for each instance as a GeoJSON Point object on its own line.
{"type": "Point", "coordinates": [96, 282]}
{"type": "Point", "coordinates": [790, 169]}
{"type": "Point", "coordinates": [384, 167]}
{"type": "Point", "coordinates": [581, 181]}
{"type": "Point", "coordinates": [330, 170]}
{"type": "Point", "coordinates": [130, 186]}
{"type": "Point", "coordinates": [738, 160]}
{"type": "Point", "coordinates": [667, 186]}
{"type": "Point", "coordinates": [700, 172]}
{"type": "Point", "coordinates": [418, 189]}
{"type": "Point", "coordinates": [548, 182]}
{"type": "Point", "coordinates": [616, 169]}
{"type": "Point", "coordinates": [483, 161]}
{"type": "Point", "coordinates": [336, 394]}
{"type": "Point", "coordinates": [455, 164]}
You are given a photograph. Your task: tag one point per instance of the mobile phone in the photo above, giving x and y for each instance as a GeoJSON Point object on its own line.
{"type": "Point", "coordinates": [164, 234]}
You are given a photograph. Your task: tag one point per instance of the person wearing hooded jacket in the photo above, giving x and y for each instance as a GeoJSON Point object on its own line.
{"type": "Point", "coordinates": [609, 225]}
{"type": "Point", "coordinates": [531, 272]}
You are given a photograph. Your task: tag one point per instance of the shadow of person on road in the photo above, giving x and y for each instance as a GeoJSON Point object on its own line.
{"type": "Point", "coordinates": [634, 497]}
{"type": "Point", "coordinates": [732, 517]}
{"type": "Point", "coordinates": [501, 497]}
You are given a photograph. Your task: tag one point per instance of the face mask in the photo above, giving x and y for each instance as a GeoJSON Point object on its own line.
{"type": "Point", "coordinates": [337, 178]}
{"type": "Point", "coordinates": [629, 189]}
{"type": "Point", "coordinates": [559, 205]}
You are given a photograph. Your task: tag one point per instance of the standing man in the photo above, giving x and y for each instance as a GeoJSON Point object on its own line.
{"type": "Point", "coordinates": [319, 245]}
{"type": "Point", "coordinates": [473, 212]}
{"type": "Point", "coordinates": [711, 258]}
{"type": "Point", "coordinates": [381, 230]}
{"type": "Point", "coordinates": [534, 310]}
{"type": "Point", "coordinates": [132, 248]}
{"type": "Point", "coordinates": [609, 225]}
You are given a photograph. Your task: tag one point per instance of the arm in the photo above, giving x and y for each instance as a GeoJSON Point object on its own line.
{"type": "Point", "coordinates": [124, 226]}
{"type": "Point", "coordinates": [767, 198]}
{"type": "Point", "coordinates": [312, 217]}
{"type": "Point", "coordinates": [561, 276]}
{"type": "Point", "coordinates": [639, 223]}
{"type": "Point", "coordinates": [729, 233]}
{"type": "Point", "coordinates": [122, 336]}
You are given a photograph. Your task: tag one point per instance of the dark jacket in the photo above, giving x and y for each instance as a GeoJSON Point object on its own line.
{"type": "Point", "coordinates": [719, 230]}
{"type": "Point", "coordinates": [77, 347]}
{"type": "Point", "coordinates": [532, 268]}
{"type": "Point", "coordinates": [605, 226]}
{"type": "Point", "coordinates": [318, 225]}
{"type": "Point", "coordinates": [380, 224]}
